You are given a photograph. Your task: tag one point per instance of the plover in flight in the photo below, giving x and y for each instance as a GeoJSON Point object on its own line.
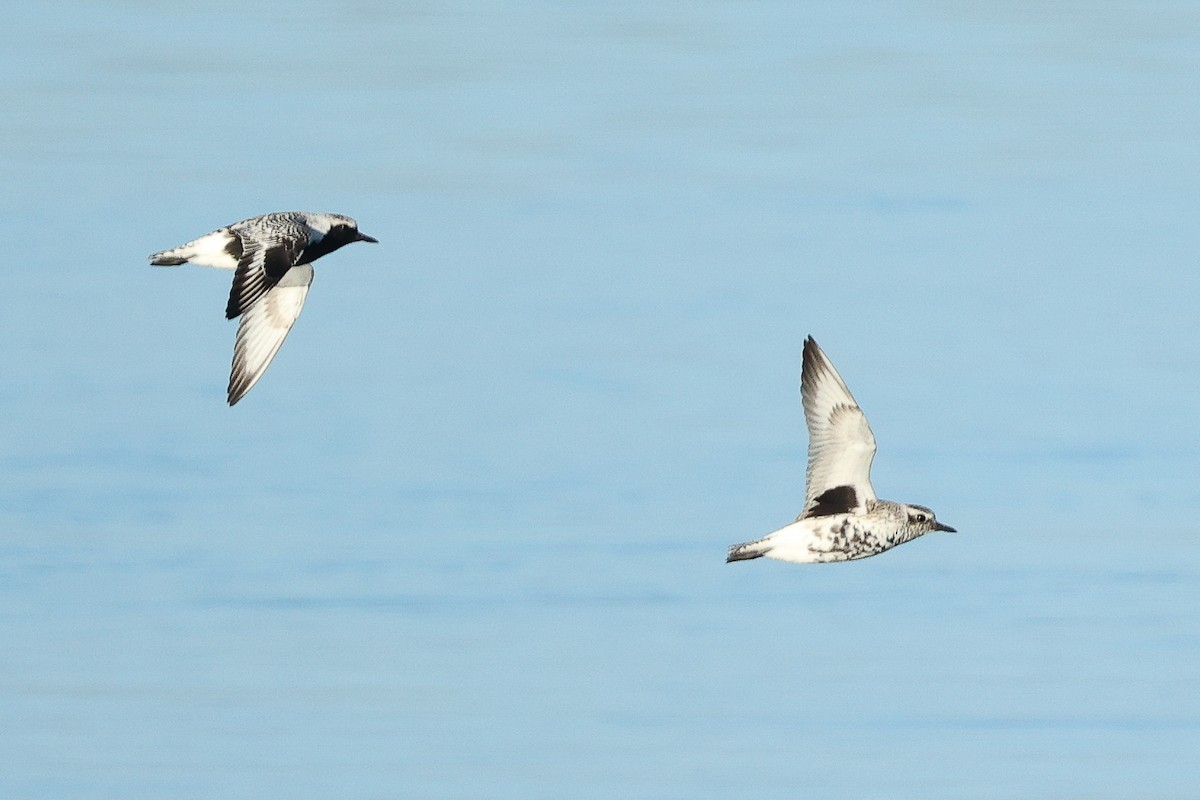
{"type": "Point", "coordinates": [842, 518]}
{"type": "Point", "coordinates": [272, 259]}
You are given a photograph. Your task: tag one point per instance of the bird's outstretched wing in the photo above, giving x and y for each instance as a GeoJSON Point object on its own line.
{"type": "Point", "coordinates": [840, 443]}
{"type": "Point", "coordinates": [263, 327]}
{"type": "Point", "coordinates": [270, 246]}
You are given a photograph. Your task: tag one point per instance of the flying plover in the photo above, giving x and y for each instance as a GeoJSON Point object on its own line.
{"type": "Point", "coordinates": [272, 259]}
{"type": "Point", "coordinates": [842, 518]}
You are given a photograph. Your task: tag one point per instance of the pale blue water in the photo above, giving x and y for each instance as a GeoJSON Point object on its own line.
{"type": "Point", "coordinates": [466, 538]}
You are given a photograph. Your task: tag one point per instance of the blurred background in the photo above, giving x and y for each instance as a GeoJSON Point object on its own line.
{"type": "Point", "coordinates": [466, 538]}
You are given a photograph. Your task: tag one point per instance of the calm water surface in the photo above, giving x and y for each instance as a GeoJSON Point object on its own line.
{"type": "Point", "coordinates": [466, 538]}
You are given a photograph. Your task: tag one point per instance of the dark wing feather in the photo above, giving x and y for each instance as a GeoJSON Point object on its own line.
{"type": "Point", "coordinates": [267, 255]}
{"type": "Point", "coordinates": [263, 328]}
{"type": "Point", "coordinates": [840, 443]}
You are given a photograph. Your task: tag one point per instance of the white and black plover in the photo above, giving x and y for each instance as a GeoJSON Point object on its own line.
{"type": "Point", "coordinates": [842, 518]}
{"type": "Point", "coordinates": [272, 259]}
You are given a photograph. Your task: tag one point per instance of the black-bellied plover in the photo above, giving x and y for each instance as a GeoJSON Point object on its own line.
{"type": "Point", "coordinates": [842, 518]}
{"type": "Point", "coordinates": [272, 259]}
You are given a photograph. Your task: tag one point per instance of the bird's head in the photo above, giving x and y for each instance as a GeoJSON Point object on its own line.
{"type": "Point", "coordinates": [923, 520]}
{"type": "Point", "coordinates": [344, 230]}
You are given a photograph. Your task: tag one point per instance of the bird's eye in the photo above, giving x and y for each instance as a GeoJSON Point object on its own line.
{"type": "Point", "coordinates": [921, 517]}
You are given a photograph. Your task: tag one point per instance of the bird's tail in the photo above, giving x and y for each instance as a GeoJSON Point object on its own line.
{"type": "Point", "coordinates": [167, 258]}
{"type": "Point", "coordinates": [747, 550]}
{"type": "Point", "coordinates": [219, 249]}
